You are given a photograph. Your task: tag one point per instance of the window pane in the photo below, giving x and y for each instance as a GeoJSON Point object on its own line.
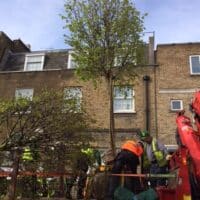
{"type": "Point", "coordinates": [124, 105]}
{"type": "Point", "coordinates": [123, 92]}
{"type": "Point", "coordinates": [33, 66]}
{"type": "Point", "coordinates": [24, 93]}
{"type": "Point", "coordinates": [195, 64]}
{"type": "Point", "coordinates": [118, 92]}
{"type": "Point", "coordinates": [34, 58]}
{"type": "Point", "coordinates": [34, 62]}
{"type": "Point", "coordinates": [176, 105]}
{"type": "Point", "coordinates": [123, 99]}
{"type": "Point", "coordinates": [72, 64]}
{"type": "Point", "coordinates": [118, 105]}
{"type": "Point", "coordinates": [74, 93]}
{"type": "Point", "coordinates": [128, 104]}
{"type": "Point", "coordinates": [128, 92]}
{"type": "Point", "coordinates": [118, 61]}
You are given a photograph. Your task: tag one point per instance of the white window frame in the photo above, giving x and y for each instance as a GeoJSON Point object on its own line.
{"type": "Point", "coordinates": [176, 100]}
{"type": "Point", "coordinates": [70, 64]}
{"type": "Point", "coordinates": [28, 56]}
{"type": "Point", "coordinates": [191, 68]}
{"type": "Point", "coordinates": [17, 91]}
{"type": "Point", "coordinates": [75, 92]}
{"type": "Point", "coordinates": [124, 98]}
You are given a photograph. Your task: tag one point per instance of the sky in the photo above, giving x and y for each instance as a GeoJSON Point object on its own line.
{"type": "Point", "coordinates": [38, 22]}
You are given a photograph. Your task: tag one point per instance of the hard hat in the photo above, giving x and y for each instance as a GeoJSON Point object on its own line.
{"type": "Point", "coordinates": [144, 134]}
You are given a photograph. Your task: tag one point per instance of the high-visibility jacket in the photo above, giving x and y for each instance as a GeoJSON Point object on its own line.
{"type": "Point", "coordinates": [87, 151]}
{"type": "Point", "coordinates": [93, 155]}
{"type": "Point", "coordinates": [132, 146]}
{"type": "Point", "coordinates": [27, 154]}
{"type": "Point", "coordinates": [158, 154]}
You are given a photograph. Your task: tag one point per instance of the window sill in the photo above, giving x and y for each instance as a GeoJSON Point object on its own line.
{"type": "Point", "coordinates": [125, 112]}
{"type": "Point", "coordinates": [175, 111]}
{"type": "Point", "coordinates": [194, 74]}
{"type": "Point", "coordinates": [34, 70]}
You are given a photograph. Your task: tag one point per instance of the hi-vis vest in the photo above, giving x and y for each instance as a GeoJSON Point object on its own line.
{"type": "Point", "coordinates": [87, 151]}
{"type": "Point", "coordinates": [159, 155]}
{"type": "Point", "coordinates": [133, 146]}
{"type": "Point", "coordinates": [93, 154]}
{"type": "Point", "coordinates": [27, 155]}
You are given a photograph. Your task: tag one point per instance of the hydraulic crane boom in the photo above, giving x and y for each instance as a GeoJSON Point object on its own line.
{"type": "Point", "coordinates": [190, 144]}
{"type": "Point", "coordinates": [190, 140]}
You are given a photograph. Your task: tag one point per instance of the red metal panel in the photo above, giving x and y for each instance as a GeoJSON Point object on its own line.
{"type": "Point", "coordinates": [166, 193]}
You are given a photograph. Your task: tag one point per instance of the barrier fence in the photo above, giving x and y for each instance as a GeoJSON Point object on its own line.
{"type": "Point", "coordinates": [35, 183]}
{"type": "Point", "coordinates": [33, 179]}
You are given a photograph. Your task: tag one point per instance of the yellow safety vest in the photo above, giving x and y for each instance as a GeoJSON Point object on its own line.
{"type": "Point", "coordinates": [27, 155]}
{"type": "Point", "coordinates": [159, 155]}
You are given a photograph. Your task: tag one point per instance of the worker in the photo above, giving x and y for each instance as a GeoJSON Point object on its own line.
{"type": "Point", "coordinates": [83, 161]}
{"type": "Point", "coordinates": [28, 159]}
{"type": "Point", "coordinates": [128, 157]}
{"type": "Point", "coordinates": [27, 154]}
{"type": "Point", "coordinates": [155, 158]}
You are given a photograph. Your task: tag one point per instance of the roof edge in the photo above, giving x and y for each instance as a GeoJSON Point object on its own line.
{"type": "Point", "coordinates": [181, 43]}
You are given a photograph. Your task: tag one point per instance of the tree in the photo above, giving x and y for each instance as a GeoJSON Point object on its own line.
{"type": "Point", "coordinates": [106, 39]}
{"type": "Point", "coordinates": [48, 120]}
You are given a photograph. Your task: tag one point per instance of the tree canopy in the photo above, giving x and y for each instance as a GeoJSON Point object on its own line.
{"type": "Point", "coordinates": [106, 39]}
{"type": "Point", "coordinates": [52, 125]}
{"type": "Point", "coordinates": [104, 34]}
{"type": "Point", "coordinates": [46, 119]}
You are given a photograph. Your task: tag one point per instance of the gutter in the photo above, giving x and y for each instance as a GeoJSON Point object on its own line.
{"type": "Point", "coordinates": [146, 80]}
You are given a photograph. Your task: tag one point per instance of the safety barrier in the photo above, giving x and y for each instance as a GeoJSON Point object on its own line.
{"type": "Point", "coordinates": [38, 174]}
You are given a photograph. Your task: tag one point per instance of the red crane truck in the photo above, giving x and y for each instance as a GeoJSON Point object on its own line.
{"type": "Point", "coordinates": [185, 162]}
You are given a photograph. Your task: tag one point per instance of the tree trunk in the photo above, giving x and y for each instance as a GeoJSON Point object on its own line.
{"type": "Point", "coordinates": [112, 124]}
{"type": "Point", "coordinates": [34, 188]}
{"type": "Point", "coordinates": [13, 184]}
{"type": "Point", "coordinates": [61, 186]}
{"type": "Point", "coordinates": [61, 170]}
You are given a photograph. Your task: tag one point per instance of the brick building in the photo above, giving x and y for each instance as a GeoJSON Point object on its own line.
{"type": "Point", "coordinates": [177, 78]}
{"type": "Point", "coordinates": [150, 97]}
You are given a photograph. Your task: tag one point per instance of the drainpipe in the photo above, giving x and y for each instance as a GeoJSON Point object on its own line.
{"type": "Point", "coordinates": [146, 80]}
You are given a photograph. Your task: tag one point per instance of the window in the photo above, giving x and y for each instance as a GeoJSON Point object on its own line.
{"type": "Point", "coordinates": [34, 62]}
{"type": "Point", "coordinates": [71, 64]}
{"type": "Point", "coordinates": [195, 64]}
{"type": "Point", "coordinates": [124, 101]}
{"type": "Point", "coordinates": [24, 93]}
{"type": "Point", "coordinates": [74, 93]}
{"type": "Point", "coordinates": [176, 105]}
{"type": "Point", "coordinates": [124, 59]}
{"type": "Point", "coordinates": [118, 61]}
